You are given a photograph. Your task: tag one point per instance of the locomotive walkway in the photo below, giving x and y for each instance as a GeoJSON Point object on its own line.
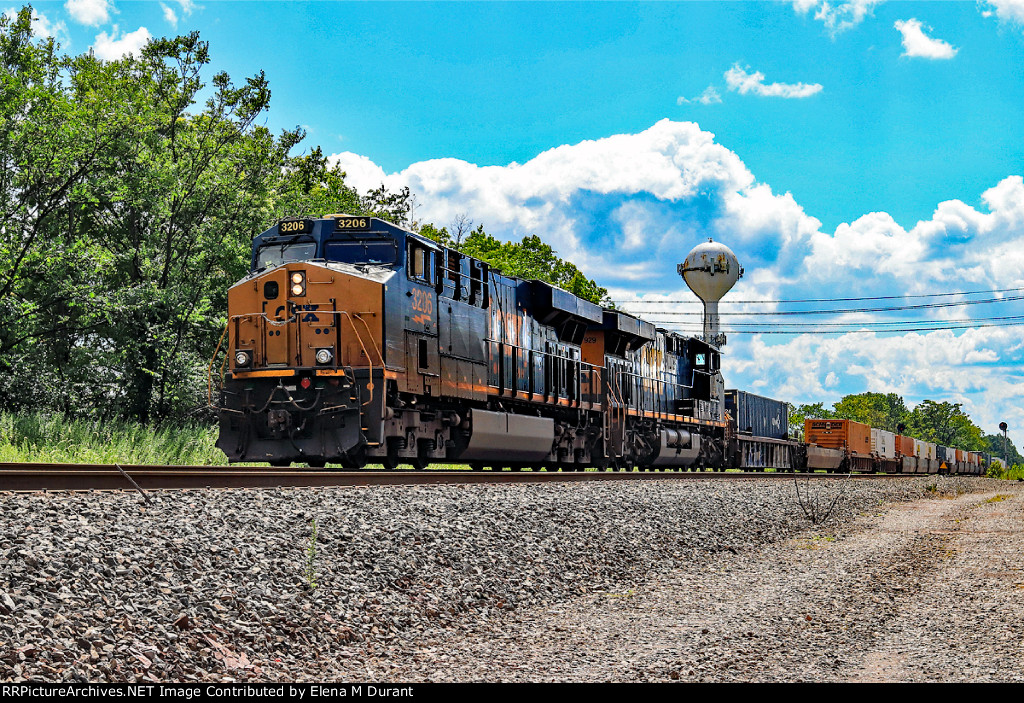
{"type": "Point", "coordinates": [80, 477]}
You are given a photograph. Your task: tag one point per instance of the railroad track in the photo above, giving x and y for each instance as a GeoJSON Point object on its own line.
{"type": "Point", "coordinates": [23, 477]}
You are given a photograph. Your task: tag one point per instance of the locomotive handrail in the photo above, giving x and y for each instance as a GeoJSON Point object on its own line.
{"type": "Point", "coordinates": [292, 318]}
{"type": "Point", "coordinates": [641, 377]}
{"type": "Point", "coordinates": [209, 371]}
{"type": "Point", "coordinates": [369, 363]}
{"type": "Point", "coordinates": [584, 365]}
{"type": "Point", "coordinates": [369, 333]}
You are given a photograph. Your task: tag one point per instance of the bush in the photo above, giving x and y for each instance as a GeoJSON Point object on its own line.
{"type": "Point", "coordinates": [1014, 473]}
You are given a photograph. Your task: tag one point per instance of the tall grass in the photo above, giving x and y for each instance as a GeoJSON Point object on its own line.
{"type": "Point", "coordinates": [46, 437]}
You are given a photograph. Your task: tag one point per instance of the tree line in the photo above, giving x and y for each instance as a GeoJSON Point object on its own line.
{"type": "Point", "coordinates": [129, 194]}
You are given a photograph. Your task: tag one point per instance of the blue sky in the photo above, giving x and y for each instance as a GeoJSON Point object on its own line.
{"type": "Point", "coordinates": [842, 149]}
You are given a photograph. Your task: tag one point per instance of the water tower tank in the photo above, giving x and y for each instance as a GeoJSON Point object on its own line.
{"type": "Point", "coordinates": [710, 270]}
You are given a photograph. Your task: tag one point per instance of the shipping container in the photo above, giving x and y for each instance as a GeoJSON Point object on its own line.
{"type": "Point", "coordinates": [905, 445]}
{"type": "Point", "coordinates": [931, 450]}
{"type": "Point", "coordinates": [883, 443]}
{"type": "Point", "coordinates": [855, 437]}
{"type": "Point", "coordinates": [756, 415]}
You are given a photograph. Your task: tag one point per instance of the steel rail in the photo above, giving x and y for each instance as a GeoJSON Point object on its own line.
{"type": "Point", "coordinates": [23, 477]}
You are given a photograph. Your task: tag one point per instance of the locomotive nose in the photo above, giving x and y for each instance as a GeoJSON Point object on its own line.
{"type": "Point", "coordinates": [305, 363]}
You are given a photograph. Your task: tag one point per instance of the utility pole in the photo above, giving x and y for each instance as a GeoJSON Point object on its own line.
{"type": "Point", "coordinates": [1003, 427]}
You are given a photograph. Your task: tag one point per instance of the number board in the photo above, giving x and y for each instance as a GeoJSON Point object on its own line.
{"type": "Point", "coordinates": [358, 223]}
{"type": "Point", "coordinates": [295, 226]}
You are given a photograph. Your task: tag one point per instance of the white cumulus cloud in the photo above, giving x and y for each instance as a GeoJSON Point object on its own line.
{"type": "Point", "coordinates": [710, 96]}
{"type": "Point", "coordinates": [1006, 10]}
{"type": "Point", "coordinates": [169, 15]}
{"type": "Point", "coordinates": [739, 81]}
{"type": "Point", "coordinates": [110, 47]}
{"type": "Point", "coordinates": [918, 44]}
{"type": "Point", "coordinates": [742, 82]}
{"type": "Point", "coordinates": [90, 12]}
{"type": "Point", "coordinates": [837, 16]}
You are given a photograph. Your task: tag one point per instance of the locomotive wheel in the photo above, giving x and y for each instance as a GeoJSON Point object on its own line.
{"type": "Point", "coordinates": [476, 466]}
{"type": "Point", "coordinates": [418, 464]}
{"type": "Point", "coordinates": [317, 463]}
{"type": "Point", "coordinates": [280, 463]}
{"type": "Point", "coordinates": [391, 460]}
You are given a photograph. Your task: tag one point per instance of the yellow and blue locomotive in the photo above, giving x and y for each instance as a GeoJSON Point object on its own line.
{"type": "Point", "coordinates": [355, 341]}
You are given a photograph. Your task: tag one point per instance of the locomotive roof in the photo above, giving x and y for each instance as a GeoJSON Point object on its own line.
{"type": "Point", "coordinates": [319, 229]}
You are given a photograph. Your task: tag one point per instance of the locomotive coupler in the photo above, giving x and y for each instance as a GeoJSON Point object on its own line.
{"type": "Point", "coordinates": [279, 420]}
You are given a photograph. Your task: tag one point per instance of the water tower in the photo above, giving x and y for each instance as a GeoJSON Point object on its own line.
{"type": "Point", "coordinates": [711, 270]}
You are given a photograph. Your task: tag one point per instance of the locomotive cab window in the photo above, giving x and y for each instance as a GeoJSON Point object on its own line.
{"type": "Point", "coordinates": [362, 251]}
{"type": "Point", "coordinates": [418, 263]}
{"type": "Point", "coordinates": [277, 254]}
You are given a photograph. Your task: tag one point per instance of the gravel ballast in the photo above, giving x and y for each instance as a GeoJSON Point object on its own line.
{"type": "Point", "coordinates": [411, 581]}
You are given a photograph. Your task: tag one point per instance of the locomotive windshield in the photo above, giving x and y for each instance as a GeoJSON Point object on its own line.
{"type": "Point", "coordinates": [362, 251]}
{"type": "Point", "coordinates": [277, 254]}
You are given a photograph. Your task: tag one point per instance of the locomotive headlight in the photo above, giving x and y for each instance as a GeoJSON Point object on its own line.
{"type": "Point", "coordinates": [296, 290]}
{"type": "Point", "coordinates": [296, 277]}
{"type": "Point", "coordinates": [324, 356]}
{"type": "Point", "coordinates": [298, 282]}
{"type": "Point", "coordinates": [242, 358]}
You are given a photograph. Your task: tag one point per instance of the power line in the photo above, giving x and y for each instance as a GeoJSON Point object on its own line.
{"type": "Point", "coordinates": [855, 325]}
{"type": "Point", "coordinates": [827, 300]}
{"type": "Point", "coordinates": [855, 331]}
{"type": "Point", "coordinates": [838, 311]}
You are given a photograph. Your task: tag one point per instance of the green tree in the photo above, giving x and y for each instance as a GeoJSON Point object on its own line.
{"type": "Point", "coordinates": [53, 138]}
{"type": "Point", "coordinates": [799, 413]}
{"type": "Point", "coordinates": [441, 236]}
{"type": "Point", "coordinates": [945, 424]}
{"type": "Point", "coordinates": [310, 187]}
{"type": "Point", "coordinates": [128, 210]}
{"type": "Point", "coordinates": [532, 259]}
{"type": "Point", "coordinates": [993, 444]}
{"type": "Point", "coordinates": [885, 411]}
{"type": "Point", "coordinates": [387, 205]}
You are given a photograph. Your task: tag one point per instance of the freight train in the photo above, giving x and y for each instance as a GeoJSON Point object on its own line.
{"type": "Point", "coordinates": [355, 341]}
